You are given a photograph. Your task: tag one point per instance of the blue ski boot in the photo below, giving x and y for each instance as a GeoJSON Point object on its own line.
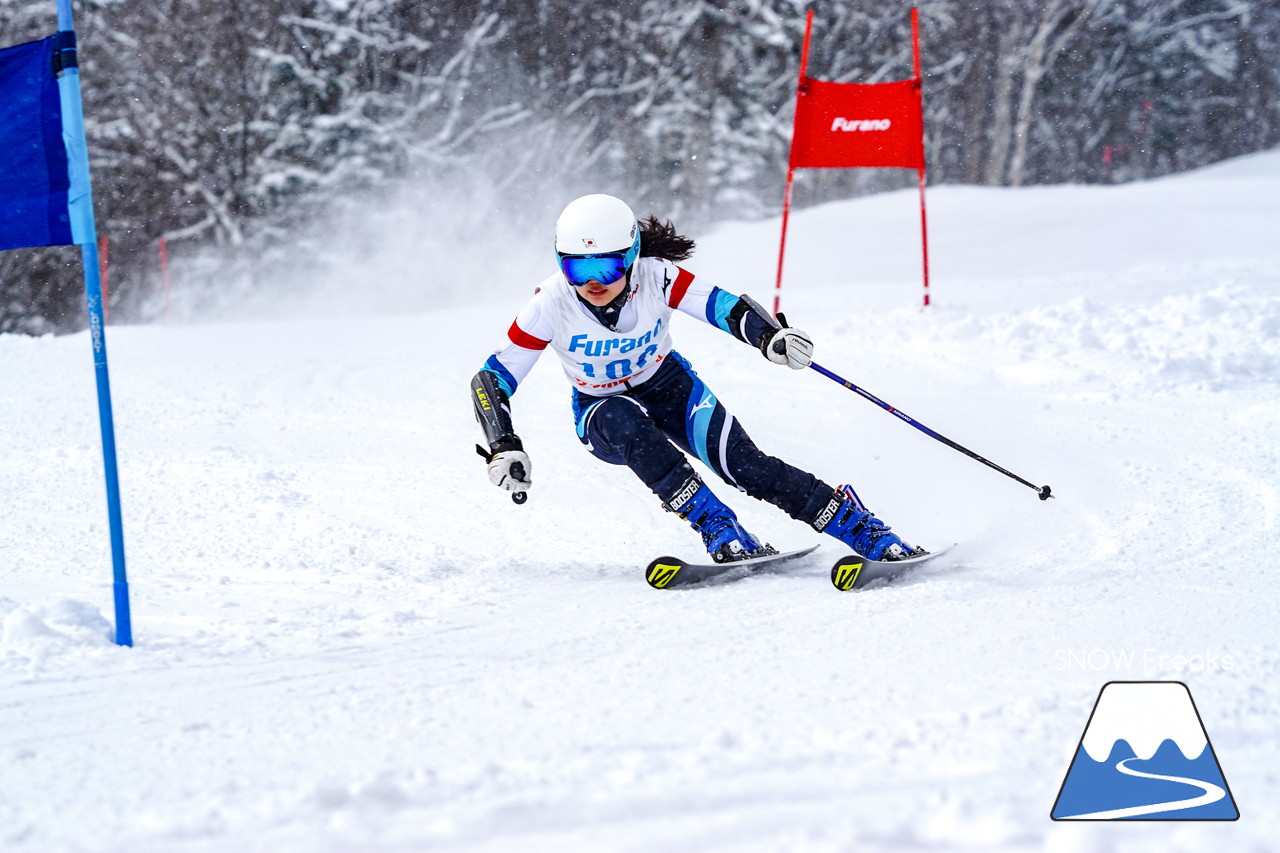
{"type": "Point", "coordinates": [845, 518]}
{"type": "Point", "coordinates": [725, 538]}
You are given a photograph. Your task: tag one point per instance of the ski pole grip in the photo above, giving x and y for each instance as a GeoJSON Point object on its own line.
{"type": "Point", "coordinates": [517, 471]}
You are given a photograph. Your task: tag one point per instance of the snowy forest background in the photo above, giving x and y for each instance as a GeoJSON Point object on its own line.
{"type": "Point", "coordinates": [274, 142]}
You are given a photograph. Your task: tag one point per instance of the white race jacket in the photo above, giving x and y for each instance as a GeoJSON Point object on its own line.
{"type": "Point", "coordinates": [597, 360]}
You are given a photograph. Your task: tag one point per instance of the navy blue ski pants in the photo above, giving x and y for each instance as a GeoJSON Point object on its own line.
{"type": "Point", "coordinates": [638, 427]}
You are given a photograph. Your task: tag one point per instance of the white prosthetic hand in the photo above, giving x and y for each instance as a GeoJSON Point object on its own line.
{"type": "Point", "coordinates": [510, 470]}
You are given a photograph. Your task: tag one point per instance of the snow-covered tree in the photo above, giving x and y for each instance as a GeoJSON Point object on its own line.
{"type": "Point", "coordinates": [236, 126]}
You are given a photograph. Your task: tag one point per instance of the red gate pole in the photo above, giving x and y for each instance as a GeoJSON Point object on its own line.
{"type": "Point", "coordinates": [164, 279]}
{"type": "Point", "coordinates": [103, 266]}
{"type": "Point", "coordinates": [782, 246]}
{"type": "Point", "coordinates": [786, 200]}
{"type": "Point", "coordinates": [919, 81]}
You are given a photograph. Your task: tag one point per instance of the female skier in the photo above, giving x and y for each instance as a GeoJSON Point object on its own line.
{"type": "Point", "coordinates": [607, 312]}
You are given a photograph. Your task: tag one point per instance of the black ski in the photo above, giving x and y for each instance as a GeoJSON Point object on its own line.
{"type": "Point", "coordinates": [856, 571]}
{"type": "Point", "coordinates": [668, 572]}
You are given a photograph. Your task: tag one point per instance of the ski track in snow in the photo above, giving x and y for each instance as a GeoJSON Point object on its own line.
{"type": "Point", "coordinates": [348, 641]}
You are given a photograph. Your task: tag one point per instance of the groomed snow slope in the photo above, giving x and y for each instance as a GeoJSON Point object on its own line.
{"type": "Point", "coordinates": [348, 641]}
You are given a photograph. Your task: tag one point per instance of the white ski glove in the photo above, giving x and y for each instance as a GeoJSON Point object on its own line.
{"type": "Point", "coordinates": [789, 346]}
{"type": "Point", "coordinates": [510, 470]}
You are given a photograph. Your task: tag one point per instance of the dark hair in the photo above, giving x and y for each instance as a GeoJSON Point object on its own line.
{"type": "Point", "coordinates": [660, 240]}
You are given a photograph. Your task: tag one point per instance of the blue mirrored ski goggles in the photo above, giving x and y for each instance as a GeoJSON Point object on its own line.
{"type": "Point", "coordinates": [605, 268]}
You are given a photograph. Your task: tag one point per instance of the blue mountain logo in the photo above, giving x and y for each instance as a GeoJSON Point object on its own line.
{"type": "Point", "coordinates": [1145, 755]}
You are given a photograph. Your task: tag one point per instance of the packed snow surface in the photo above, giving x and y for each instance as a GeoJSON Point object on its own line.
{"type": "Point", "coordinates": [347, 640]}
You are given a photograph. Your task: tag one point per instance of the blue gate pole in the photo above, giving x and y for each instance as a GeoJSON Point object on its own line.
{"type": "Point", "coordinates": [84, 232]}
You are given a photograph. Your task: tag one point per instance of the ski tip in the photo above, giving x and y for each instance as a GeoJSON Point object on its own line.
{"type": "Point", "coordinates": [662, 571]}
{"type": "Point", "coordinates": [849, 570]}
{"type": "Point", "coordinates": [844, 574]}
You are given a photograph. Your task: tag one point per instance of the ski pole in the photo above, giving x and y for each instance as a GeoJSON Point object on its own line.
{"type": "Point", "coordinates": [517, 471]}
{"type": "Point", "coordinates": [1043, 491]}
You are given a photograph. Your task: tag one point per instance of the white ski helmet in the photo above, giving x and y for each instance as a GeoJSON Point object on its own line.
{"type": "Point", "coordinates": [594, 227]}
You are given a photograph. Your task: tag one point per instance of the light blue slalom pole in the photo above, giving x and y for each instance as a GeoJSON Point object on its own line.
{"type": "Point", "coordinates": [84, 234]}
